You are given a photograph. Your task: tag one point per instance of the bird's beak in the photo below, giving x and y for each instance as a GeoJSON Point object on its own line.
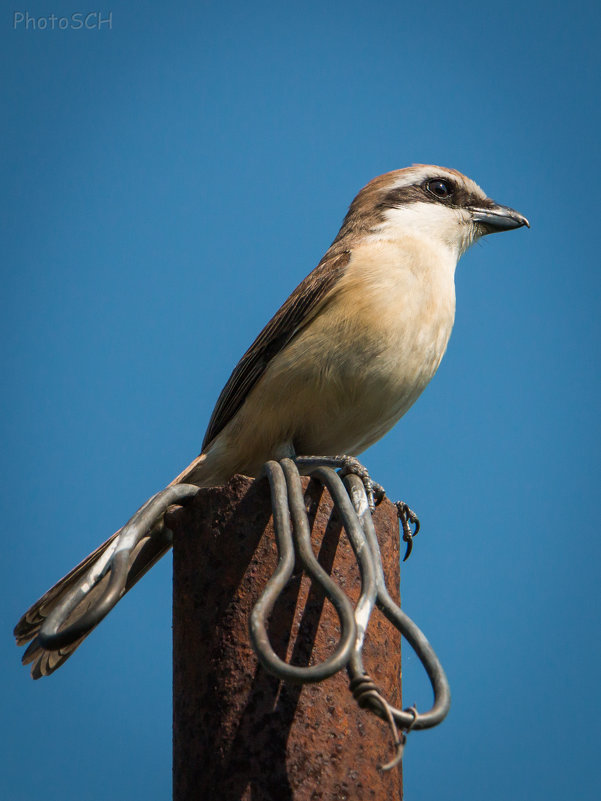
{"type": "Point", "coordinates": [498, 218]}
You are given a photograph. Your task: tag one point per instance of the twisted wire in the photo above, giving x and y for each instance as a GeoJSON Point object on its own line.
{"type": "Point", "coordinates": [354, 505]}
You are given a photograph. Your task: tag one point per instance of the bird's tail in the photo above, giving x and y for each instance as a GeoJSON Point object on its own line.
{"type": "Point", "coordinates": [44, 662]}
{"type": "Point", "coordinates": [146, 554]}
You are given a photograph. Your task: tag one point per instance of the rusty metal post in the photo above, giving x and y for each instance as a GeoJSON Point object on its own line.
{"type": "Point", "coordinates": [238, 733]}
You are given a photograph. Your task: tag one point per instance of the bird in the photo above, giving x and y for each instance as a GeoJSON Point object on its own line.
{"type": "Point", "coordinates": [345, 356]}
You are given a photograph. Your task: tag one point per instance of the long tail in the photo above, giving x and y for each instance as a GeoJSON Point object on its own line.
{"type": "Point", "coordinates": [44, 662]}
{"type": "Point", "coordinates": [149, 551]}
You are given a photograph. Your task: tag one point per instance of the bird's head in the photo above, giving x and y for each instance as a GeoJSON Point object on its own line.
{"type": "Point", "coordinates": [436, 204]}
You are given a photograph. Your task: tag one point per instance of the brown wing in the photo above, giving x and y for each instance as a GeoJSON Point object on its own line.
{"type": "Point", "coordinates": [291, 318]}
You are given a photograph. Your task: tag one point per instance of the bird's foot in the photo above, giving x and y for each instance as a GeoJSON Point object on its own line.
{"type": "Point", "coordinates": [346, 464]}
{"type": "Point", "coordinates": [407, 518]}
{"type": "Point", "coordinates": [375, 492]}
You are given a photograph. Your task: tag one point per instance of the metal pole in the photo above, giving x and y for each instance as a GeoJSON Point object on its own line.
{"type": "Point", "coordinates": [238, 733]}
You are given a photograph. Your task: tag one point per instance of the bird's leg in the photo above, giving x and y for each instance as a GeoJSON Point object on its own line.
{"type": "Point", "coordinates": [346, 464]}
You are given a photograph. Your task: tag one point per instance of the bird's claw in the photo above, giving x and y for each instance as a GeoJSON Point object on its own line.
{"type": "Point", "coordinates": [408, 518]}
{"type": "Point", "coordinates": [375, 492]}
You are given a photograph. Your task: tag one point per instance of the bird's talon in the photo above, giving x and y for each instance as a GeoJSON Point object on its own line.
{"type": "Point", "coordinates": [379, 493]}
{"type": "Point", "coordinates": [349, 464]}
{"type": "Point", "coordinates": [407, 518]}
{"type": "Point", "coordinates": [409, 541]}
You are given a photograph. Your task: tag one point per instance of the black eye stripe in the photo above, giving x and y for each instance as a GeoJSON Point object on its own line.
{"type": "Point", "coordinates": [418, 193]}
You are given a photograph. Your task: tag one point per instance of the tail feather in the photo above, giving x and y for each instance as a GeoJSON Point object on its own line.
{"type": "Point", "coordinates": [44, 662]}
{"type": "Point", "coordinates": [30, 623]}
{"type": "Point", "coordinates": [148, 551]}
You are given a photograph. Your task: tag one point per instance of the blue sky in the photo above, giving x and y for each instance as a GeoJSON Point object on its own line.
{"type": "Point", "coordinates": [167, 182]}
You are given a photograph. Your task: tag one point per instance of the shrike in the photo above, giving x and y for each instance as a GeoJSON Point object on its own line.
{"type": "Point", "coordinates": [347, 354]}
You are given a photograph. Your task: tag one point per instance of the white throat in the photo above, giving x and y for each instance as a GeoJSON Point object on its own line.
{"type": "Point", "coordinates": [432, 224]}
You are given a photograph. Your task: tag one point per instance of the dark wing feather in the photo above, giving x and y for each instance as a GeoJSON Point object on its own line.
{"type": "Point", "coordinates": [291, 318]}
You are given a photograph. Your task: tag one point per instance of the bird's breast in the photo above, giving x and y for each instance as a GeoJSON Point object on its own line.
{"type": "Point", "coordinates": [376, 345]}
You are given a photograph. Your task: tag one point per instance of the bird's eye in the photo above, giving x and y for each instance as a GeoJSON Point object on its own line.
{"type": "Point", "coordinates": [439, 188]}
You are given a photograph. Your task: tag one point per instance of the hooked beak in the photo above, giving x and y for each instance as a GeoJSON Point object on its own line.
{"type": "Point", "coordinates": [498, 218]}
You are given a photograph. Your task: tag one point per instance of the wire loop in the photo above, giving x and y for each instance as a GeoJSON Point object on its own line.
{"type": "Point", "coordinates": [354, 505]}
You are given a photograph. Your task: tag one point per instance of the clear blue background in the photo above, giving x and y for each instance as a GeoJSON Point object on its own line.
{"type": "Point", "coordinates": [166, 183]}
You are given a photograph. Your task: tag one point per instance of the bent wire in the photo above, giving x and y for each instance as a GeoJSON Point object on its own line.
{"type": "Point", "coordinates": [353, 505]}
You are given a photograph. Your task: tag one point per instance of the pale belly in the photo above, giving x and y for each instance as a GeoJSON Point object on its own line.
{"type": "Point", "coordinates": [314, 400]}
{"type": "Point", "coordinates": [367, 392]}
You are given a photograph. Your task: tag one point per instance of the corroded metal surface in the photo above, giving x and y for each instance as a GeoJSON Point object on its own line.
{"type": "Point", "coordinates": [240, 734]}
